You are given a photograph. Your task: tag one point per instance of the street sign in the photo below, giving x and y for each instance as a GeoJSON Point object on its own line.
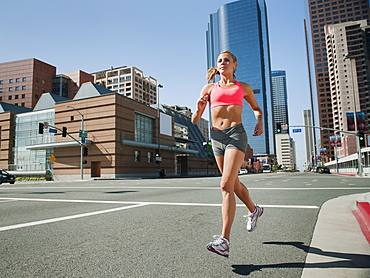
{"type": "Point", "coordinates": [83, 140]}
{"type": "Point", "coordinates": [296, 130]}
{"type": "Point", "coordinates": [158, 158]}
{"type": "Point", "coordinates": [52, 158]}
{"type": "Point", "coordinates": [46, 124]}
{"type": "Point", "coordinates": [52, 130]}
{"type": "Point", "coordinates": [82, 134]}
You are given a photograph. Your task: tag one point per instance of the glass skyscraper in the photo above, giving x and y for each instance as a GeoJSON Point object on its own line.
{"type": "Point", "coordinates": [279, 99]}
{"type": "Point", "coordinates": [241, 27]}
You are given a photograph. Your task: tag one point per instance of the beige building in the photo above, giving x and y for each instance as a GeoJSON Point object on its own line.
{"type": "Point", "coordinates": [130, 82]}
{"type": "Point", "coordinates": [285, 151]}
{"type": "Point", "coordinates": [347, 53]}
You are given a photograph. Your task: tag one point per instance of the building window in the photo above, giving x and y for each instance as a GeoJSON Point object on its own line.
{"type": "Point", "coordinates": [17, 80]}
{"type": "Point", "coordinates": [143, 128]}
{"type": "Point", "coordinates": [23, 96]}
{"type": "Point", "coordinates": [24, 79]}
{"type": "Point", "coordinates": [1, 82]}
{"type": "Point", "coordinates": [10, 89]}
{"type": "Point", "coordinates": [1, 90]}
{"type": "Point", "coordinates": [9, 97]}
{"type": "Point", "coordinates": [150, 157]}
{"type": "Point", "coordinates": [137, 156]}
{"type": "Point", "coordinates": [23, 87]}
{"type": "Point", "coordinates": [17, 88]}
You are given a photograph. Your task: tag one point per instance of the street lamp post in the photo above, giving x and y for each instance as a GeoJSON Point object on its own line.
{"type": "Point", "coordinates": [82, 146]}
{"type": "Point", "coordinates": [160, 86]}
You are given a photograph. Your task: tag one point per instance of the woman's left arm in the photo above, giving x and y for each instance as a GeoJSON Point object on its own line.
{"type": "Point", "coordinates": [249, 97]}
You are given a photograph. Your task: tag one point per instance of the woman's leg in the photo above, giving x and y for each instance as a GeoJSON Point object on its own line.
{"type": "Point", "coordinates": [243, 194]}
{"type": "Point", "coordinates": [229, 166]}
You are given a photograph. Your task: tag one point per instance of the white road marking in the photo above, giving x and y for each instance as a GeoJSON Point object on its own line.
{"type": "Point", "coordinates": [47, 221]}
{"type": "Point", "coordinates": [190, 187]}
{"type": "Point", "coordinates": [148, 203]}
{"type": "Point", "coordinates": [7, 201]}
{"type": "Point", "coordinates": [132, 205]}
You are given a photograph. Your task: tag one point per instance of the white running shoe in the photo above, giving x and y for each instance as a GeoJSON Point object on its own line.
{"type": "Point", "coordinates": [219, 246]}
{"type": "Point", "coordinates": [252, 218]}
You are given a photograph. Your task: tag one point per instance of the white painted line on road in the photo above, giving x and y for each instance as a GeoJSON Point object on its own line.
{"type": "Point", "coordinates": [190, 187]}
{"type": "Point", "coordinates": [47, 221]}
{"type": "Point", "coordinates": [150, 203]}
{"type": "Point", "coordinates": [7, 201]}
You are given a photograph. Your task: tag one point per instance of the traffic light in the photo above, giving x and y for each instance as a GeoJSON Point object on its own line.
{"type": "Point", "coordinates": [85, 151]}
{"type": "Point", "coordinates": [157, 155]}
{"type": "Point", "coordinates": [64, 131]}
{"type": "Point", "coordinates": [41, 128]}
{"type": "Point", "coordinates": [278, 128]}
{"type": "Point", "coordinates": [361, 137]}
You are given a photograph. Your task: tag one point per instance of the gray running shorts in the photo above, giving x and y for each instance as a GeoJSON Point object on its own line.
{"type": "Point", "coordinates": [233, 137]}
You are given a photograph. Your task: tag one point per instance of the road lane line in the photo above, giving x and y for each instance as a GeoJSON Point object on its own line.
{"type": "Point", "coordinates": [151, 203]}
{"type": "Point", "coordinates": [190, 187]}
{"type": "Point", "coordinates": [53, 220]}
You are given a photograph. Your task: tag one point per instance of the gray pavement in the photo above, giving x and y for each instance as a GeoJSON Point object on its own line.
{"type": "Point", "coordinates": [338, 247]}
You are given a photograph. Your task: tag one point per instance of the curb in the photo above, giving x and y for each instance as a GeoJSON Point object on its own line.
{"type": "Point", "coordinates": [362, 215]}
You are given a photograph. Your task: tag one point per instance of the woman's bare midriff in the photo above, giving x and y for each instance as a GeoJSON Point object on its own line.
{"type": "Point", "coordinates": [226, 116]}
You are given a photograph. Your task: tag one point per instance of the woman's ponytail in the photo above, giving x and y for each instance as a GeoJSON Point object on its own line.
{"type": "Point", "coordinates": [212, 72]}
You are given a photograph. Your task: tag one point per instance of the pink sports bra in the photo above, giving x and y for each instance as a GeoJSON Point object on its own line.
{"type": "Point", "coordinates": [226, 96]}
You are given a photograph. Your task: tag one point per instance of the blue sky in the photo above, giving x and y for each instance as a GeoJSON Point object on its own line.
{"type": "Point", "coordinates": [164, 38]}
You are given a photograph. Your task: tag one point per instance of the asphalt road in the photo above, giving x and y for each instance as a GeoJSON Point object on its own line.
{"type": "Point", "coordinates": [159, 227]}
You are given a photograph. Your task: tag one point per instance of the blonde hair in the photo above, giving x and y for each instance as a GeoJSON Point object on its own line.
{"type": "Point", "coordinates": [212, 72]}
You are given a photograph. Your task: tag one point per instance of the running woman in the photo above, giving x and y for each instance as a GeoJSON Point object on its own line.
{"type": "Point", "coordinates": [229, 141]}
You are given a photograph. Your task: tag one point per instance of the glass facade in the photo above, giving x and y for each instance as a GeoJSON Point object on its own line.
{"type": "Point", "coordinates": [143, 128]}
{"type": "Point", "coordinates": [26, 134]}
{"type": "Point", "coordinates": [241, 27]}
{"type": "Point", "coordinates": [279, 99]}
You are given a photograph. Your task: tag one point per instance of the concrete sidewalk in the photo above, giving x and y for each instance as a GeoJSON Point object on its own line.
{"type": "Point", "coordinates": [339, 247]}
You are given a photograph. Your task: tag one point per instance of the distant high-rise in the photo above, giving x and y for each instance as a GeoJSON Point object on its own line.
{"type": "Point", "coordinates": [279, 99]}
{"type": "Point", "coordinates": [241, 27]}
{"type": "Point", "coordinates": [130, 82]}
{"type": "Point", "coordinates": [321, 13]}
{"type": "Point", "coordinates": [308, 136]}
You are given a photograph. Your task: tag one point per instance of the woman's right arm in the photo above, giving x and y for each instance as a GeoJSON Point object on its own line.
{"type": "Point", "coordinates": [201, 103]}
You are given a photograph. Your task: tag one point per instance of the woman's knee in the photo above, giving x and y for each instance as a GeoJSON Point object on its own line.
{"type": "Point", "coordinates": [227, 186]}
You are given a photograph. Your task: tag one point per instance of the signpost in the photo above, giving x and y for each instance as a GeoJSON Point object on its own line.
{"type": "Point", "coordinates": [52, 158]}
{"type": "Point", "coordinates": [296, 130]}
{"type": "Point", "coordinates": [82, 134]}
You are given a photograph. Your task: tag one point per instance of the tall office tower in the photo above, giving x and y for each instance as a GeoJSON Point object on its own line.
{"type": "Point", "coordinates": [279, 99]}
{"type": "Point", "coordinates": [308, 138]}
{"type": "Point", "coordinates": [23, 82]}
{"type": "Point", "coordinates": [321, 13]}
{"type": "Point", "coordinates": [241, 27]}
{"type": "Point", "coordinates": [130, 82]}
{"type": "Point", "coordinates": [348, 56]}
